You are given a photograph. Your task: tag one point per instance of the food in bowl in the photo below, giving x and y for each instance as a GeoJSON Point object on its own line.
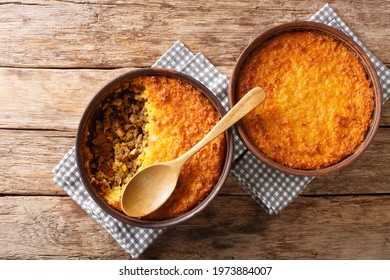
{"type": "Point", "coordinates": [154, 118]}
{"type": "Point", "coordinates": [319, 103]}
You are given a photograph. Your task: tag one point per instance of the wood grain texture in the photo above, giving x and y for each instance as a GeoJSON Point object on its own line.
{"type": "Point", "coordinates": [311, 228]}
{"type": "Point", "coordinates": [51, 99]}
{"type": "Point", "coordinates": [27, 158]}
{"type": "Point", "coordinates": [111, 34]}
{"type": "Point", "coordinates": [42, 227]}
{"type": "Point", "coordinates": [55, 55]}
{"type": "Point", "coordinates": [55, 99]}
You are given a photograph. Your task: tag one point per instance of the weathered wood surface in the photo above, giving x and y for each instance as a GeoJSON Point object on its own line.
{"type": "Point", "coordinates": [102, 33]}
{"type": "Point", "coordinates": [55, 99]}
{"type": "Point", "coordinates": [27, 158]}
{"type": "Point", "coordinates": [233, 227]}
{"type": "Point", "coordinates": [55, 55]}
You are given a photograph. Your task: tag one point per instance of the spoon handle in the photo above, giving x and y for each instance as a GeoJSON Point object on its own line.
{"type": "Point", "coordinates": [246, 104]}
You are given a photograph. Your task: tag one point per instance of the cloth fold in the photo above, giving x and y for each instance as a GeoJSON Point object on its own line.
{"type": "Point", "coordinates": [272, 189]}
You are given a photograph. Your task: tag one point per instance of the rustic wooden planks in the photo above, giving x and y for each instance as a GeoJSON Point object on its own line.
{"type": "Point", "coordinates": [55, 55]}
{"type": "Point", "coordinates": [27, 158]}
{"type": "Point", "coordinates": [233, 227]}
{"type": "Point", "coordinates": [55, 99]}
{"type": "Point", "coordinates": [111, 34]}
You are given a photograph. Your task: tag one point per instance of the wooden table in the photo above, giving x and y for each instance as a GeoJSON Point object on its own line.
{"type": "Point", "coordinates": [55, 55]}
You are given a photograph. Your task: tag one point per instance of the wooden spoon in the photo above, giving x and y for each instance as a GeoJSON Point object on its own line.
{"type": "Point", "coordinates": [153, 185]}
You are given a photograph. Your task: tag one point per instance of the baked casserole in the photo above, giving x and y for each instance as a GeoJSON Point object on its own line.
{"type": "Point", "coordinates": [319, 103]}
{"type": "Point", "coordinates": [149, 119]}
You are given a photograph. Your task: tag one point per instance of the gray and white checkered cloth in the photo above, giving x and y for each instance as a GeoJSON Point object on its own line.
{"type": "Point", "coordinates": [270, 188]}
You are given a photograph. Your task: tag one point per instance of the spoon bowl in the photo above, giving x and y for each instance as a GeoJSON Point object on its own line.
{"type": "Point", "coordinates": [143, 187]}
{"type": "Point", "coordinates": [151, 187]}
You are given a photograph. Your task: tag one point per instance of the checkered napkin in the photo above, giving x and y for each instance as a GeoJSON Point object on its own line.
{"type": "Point", "coordinates": [135, 240]}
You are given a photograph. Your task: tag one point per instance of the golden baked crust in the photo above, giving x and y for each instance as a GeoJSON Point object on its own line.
{"type": "Point", "coordinates": [319, 101]}
{"type": "Point", "coordinates": [163, 119]}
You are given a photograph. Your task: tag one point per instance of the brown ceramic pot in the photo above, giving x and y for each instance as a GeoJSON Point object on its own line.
{"type": "Point", "coordinates": [351, 45]}
{"type": "Point", "coordinates": [86, 127]}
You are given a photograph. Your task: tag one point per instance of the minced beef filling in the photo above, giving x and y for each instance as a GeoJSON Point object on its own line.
{"type": "Point", "coordinates": [118, 138]}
